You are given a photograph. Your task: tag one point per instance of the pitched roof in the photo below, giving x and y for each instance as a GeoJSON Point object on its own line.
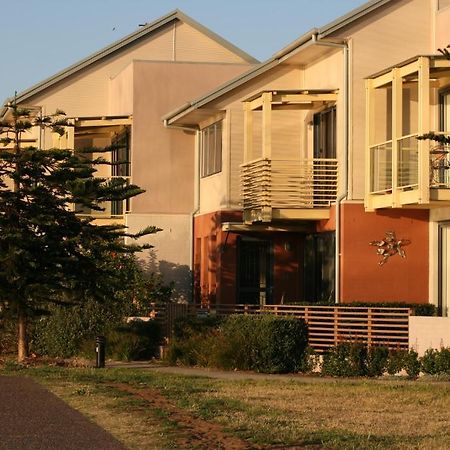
{"type": "Point", "coordinates": [301, 43]}
{"type": "Point", "coordinates": [126, 41]}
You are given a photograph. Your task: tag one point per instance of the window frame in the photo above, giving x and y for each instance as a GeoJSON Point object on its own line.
{"type": "Point", "coordinates": [211, 155]}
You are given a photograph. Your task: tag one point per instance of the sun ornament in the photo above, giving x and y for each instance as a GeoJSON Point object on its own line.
{"type": "Point", "coordinates": [390, 246]}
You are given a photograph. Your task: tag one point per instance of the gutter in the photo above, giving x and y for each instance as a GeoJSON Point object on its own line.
{"type": "Point", "coordinates": [344, 194]}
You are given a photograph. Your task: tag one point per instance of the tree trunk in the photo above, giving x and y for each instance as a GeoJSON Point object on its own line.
{"type": "Point", "coordinates": [22, 341]}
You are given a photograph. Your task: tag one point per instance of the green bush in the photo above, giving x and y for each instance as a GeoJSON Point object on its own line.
{"type": "Point", "coordinates": [185, 327]}
{"type": "Point", "coordinates": [347, 359]}
{"type": "Point", "coordinates": [436, 362]}
{"type": "Point", "coordinates": [137, 340]}
{"type": "Point", "coordinates": [265, 343]}
{"type": "Point", "coordinates": [412, 364]}
{"type": "Point", "coordinates": [377, 359]}
{"type": "Point", "coordinates": [353, 359]}
{"type": "Point", "coordinates": [8, 336]}
{"type": "Point", "coordinates": [396, 361]}
{"type": "Point", "coordinates": [63, 332]}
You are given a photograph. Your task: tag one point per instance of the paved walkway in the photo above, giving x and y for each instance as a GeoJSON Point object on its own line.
{"type": "Point", "coordinates": [32, 418]}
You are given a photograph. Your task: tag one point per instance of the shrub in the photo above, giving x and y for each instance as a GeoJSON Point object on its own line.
{"type": "Point", "coordinates": [194, 339]}
{"type": "Point", "coordinates": [347, 359]}
{"type": "Point", "coordinates": [62, 333]}
{"type": "Point", "coordinates": [136, 340]}
{"type": "Point", "coordinates": [396, 361]}
{"type": "Point", "coordinates": [377, 358]}
{"type": "Point", "coordinates": [185, 327]}
{"type": "Point", "coordinates": [436, 362]}
{"type": "Point", "coordinates": [412, 364]}
{"type": "Point", "coordinates": [265, 343]}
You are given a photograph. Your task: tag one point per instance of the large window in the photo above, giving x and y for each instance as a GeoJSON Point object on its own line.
{"type": "Point", "coordinates": [211, 144]}
{"type": "Point", "coordinates": [121, 168]}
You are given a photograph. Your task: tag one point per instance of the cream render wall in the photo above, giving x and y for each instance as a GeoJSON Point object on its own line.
{"type": "Point", "coordinates": [163, 159]}
{"type": "Point", "coordinates": [222, 191]}
{"type": "Point", "coordinates": [442, 28]}
{"type": "Point", "coordinates": [87, 93]}
{"type": "Point", "coordinates": [428, 332]}
{"type": "Point", "coordinates": [121, 92]}
{"type": "Point", "coordinates": [392, 34]}
{"type": "Point", "coordinates": [171, 254]}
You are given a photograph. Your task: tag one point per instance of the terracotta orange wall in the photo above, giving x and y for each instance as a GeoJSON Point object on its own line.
{"type": "Point", "coordinates": [400, 280]}
{"type": "Point", "coordinates": [217, 271]}
{"type": "Point", "coordinates": [288, 268]}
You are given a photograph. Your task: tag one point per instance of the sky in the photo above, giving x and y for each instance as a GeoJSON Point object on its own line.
{"type": "Point", "coordinates": [42, 37]}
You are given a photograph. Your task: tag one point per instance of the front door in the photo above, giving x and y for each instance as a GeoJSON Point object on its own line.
{"type": "Point", "coordinates": [319, 267]}
{"type": "Point", "coordinates": [254, 271]}
{"type": "Point", "coordinates": [325, 134]}
{"type": "Point", "coordinates": [444, 269]}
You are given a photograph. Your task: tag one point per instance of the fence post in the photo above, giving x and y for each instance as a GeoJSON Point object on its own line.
{"type": "Point", "coordinates": [335, 325]}
{"type": "Point", "coordinates": [369, 327]}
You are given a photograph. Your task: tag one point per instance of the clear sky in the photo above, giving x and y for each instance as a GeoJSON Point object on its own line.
{"type": "Point", "coordinates": [41, 37]}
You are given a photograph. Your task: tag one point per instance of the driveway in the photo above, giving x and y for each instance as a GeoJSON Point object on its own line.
{"type": "Point", "coordinates": [32, 418]}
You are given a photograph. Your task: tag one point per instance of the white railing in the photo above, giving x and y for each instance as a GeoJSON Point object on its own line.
{"type": "Point", "coordinates": [296, 184]}
{"type": "Point", "coordinates": [381, 165]}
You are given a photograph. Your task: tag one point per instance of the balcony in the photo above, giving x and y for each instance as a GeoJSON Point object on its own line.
{"type": "Point", "coordinates": [290, 170]}
{"type": "Point", "coordinates": [403, 103]}
{"type": "Point", "coordinates": [288, 189]}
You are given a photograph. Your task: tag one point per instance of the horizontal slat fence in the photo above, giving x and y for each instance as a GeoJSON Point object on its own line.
{"type": "Point", "coordinates": [327, 325]}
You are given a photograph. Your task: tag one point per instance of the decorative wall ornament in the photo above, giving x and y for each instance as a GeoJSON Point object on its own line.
{"type": "Point", "coordinates": [390, 246]}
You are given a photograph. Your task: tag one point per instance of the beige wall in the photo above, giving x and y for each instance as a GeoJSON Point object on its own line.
{"type": "Point", "coordinates": [442, 28]}
{"type": "Point", "coordinates": [222, 191]}
{"type": "Point", "coordinates": [390, 35]}
{"type": "Point", "coordinates": [87, 93]}
{"type": "Point", "coordinates": [428, 332]}
{"type": "Point", "coordinates": [171, 255]}
{"type": "Point", "coordinates": [121, 92]}
{"type": "Point", "coordinates": [163, 159]}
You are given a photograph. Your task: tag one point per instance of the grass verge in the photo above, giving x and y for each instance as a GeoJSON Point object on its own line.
{"type": "Point", "coordinates": [145, 409]}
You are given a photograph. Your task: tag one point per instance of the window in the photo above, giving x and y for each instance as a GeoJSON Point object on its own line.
{"type": "Point", "coordinates": [211, 145]}
{"type": "Point", "coordinates": [443, 4]}
{"type": "Point", "coordinates": [121, 165]}
{"type": "Point", "coordinates": [325, 134]}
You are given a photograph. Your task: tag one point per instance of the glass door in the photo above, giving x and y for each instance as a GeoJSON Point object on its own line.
{"type": "Point", "coordinates": [254, 271]}
{"type": "Point", "coordinates": [444, 269]}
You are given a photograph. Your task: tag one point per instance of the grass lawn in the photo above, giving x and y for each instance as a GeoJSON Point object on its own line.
{"type": "Point", "coordinates": [149, 410]}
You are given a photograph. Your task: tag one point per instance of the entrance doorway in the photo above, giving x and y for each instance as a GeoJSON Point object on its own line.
{"type": "Point", "coordinates": [319, 267]}
{"type": "Point", "coordinates": [254, 271]}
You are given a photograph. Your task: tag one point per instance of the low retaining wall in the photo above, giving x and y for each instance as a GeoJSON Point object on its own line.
{"type": "Point", "coordinates": [428, 332]}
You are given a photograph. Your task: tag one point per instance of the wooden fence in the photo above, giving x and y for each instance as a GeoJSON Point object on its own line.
{"type": "Point", "coordinates": [327, 325]}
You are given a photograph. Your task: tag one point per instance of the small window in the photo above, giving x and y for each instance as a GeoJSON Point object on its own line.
{"type": "Point", "coordinates": [443, 4]}
{"type": "Point", "coordinates": [211, 144]}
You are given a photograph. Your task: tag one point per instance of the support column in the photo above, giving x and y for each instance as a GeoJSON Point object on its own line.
{"type": "Point", "coordinates": [424, 127]}
{"type": "Point", "coordinates": [267, 125]}
{"type": "Point", "coordinates": [397, 114]}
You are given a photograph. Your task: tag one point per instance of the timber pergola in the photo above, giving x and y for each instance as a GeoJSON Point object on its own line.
{"type": "Point", "coordinates": [268, 101]}
{"type": "Point", "coordinates": [399, 166]}
{"type": "Point", "coordinates": [299, 188]}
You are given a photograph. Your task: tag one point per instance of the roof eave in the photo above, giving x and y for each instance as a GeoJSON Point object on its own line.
{"type": "Point", "coordinates": [175, 15]}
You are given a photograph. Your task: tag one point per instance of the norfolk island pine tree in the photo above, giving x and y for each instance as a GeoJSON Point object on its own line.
{"type": "Point", "coordinates": [48, 253]}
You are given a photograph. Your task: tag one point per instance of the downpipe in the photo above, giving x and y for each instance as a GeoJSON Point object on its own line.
{"type": "Point", "coordinates": [343, 195]}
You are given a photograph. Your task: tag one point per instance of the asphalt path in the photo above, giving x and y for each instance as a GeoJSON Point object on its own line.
{"type": "Point", "coordinates": [33, 418]}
